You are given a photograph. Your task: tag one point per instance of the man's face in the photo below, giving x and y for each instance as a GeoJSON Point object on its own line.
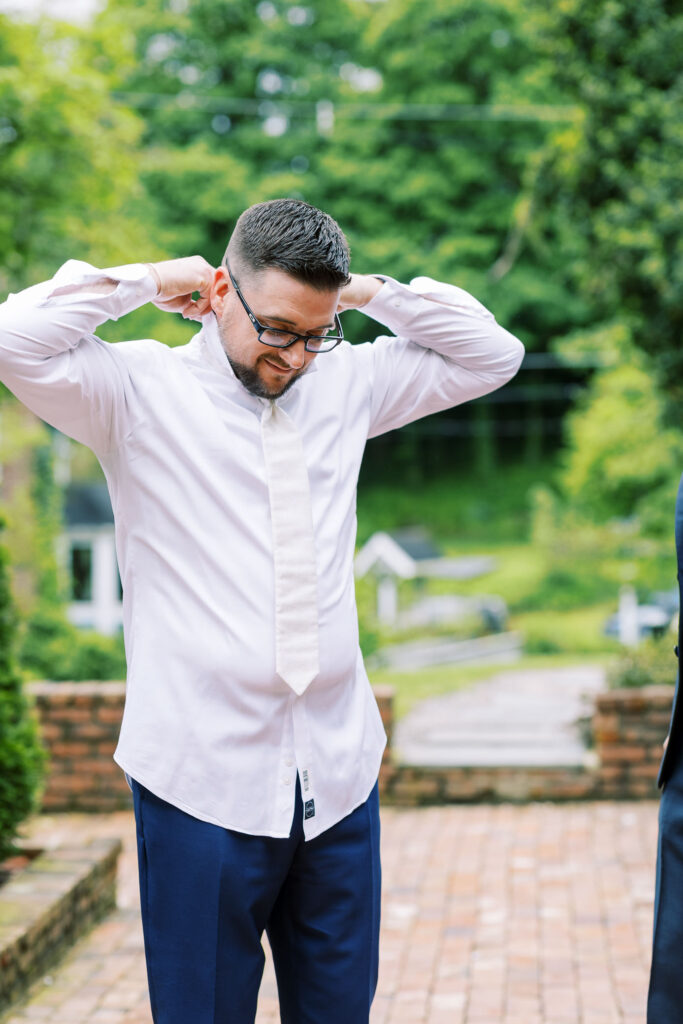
{"type": "Point", "coordinates": [276, 300]}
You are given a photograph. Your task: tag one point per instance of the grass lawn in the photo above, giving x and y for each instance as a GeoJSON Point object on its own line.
{"type": "Point", "coordinates": [519, 572]}
{"type": "Point", "coordinates": [575, 631]}
{"type": "Point", "coordinates": [411, 687]}
{"type": "Point", "coordinates": [559, 587]}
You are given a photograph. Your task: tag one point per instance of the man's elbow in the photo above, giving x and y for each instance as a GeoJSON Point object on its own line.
{"type": "Point", "coordinates": [512, 358]}
{"type": "Point", "coordinates": [517, 355]}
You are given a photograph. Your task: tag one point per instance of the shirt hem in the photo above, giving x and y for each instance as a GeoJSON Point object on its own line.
{"type": "Point", "coordinates": [374, 778]}
{"type": "Point", "coordinates": [159, 791]}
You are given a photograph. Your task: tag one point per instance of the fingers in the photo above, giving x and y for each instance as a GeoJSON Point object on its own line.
{"type": "Point", "coordinates": [188, 307]}
{"type": "Point", "coordinates": [196, 310]}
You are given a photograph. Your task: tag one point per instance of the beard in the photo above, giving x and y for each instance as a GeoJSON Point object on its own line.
{"type": "Point", "coordinates": [249, 377]}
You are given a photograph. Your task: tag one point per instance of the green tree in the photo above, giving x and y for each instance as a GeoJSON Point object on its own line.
{"type": "Point", "coordinates": [621, 459]}
{"type": "Point", "coordinates": [51, 647]}
{"type": "Point", "coordinates": [47, 503]}
{"type": "Point", "coordinates": [216, 83]}
{"type": "Point", "coordinates": [21, 757]}
{"type": "Point", "coordinates": [427, 159]}
{"type": "Point", "coordinates": [609, 201]}
{"type": "Point", "coordinates": [67, 160]}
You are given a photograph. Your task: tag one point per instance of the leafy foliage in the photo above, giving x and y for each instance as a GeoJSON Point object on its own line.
{"type": "Point", "coordinates": [328, 102]}
{"type": "Point", "coordinates": [52, 648]}
{"type": "Point", "coordinates": [621, 459]}
{"type": "Point", "coordinates": [576, 631]}
{"type": "Point", "coordinates": [47, 505]}
{"type": "Point", "coordinates": [610, 200]}
{"type": "Point", "coordinates": [60, 138]}
{"type": "Point", "coordinates": [21, 755]}
{"type": "Point", "coordinates": [653, 663]}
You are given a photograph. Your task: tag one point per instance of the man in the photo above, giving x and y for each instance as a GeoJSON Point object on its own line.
{"type": "Point", "coordinates": [250, 735]}
{"type": "Point", "coordinates": [665, 997]}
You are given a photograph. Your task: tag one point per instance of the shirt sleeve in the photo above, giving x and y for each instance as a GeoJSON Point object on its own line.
{"type": "Point", "coordinates": [53, 362]}
{"type": "Point", "coordinates": [447, 350]}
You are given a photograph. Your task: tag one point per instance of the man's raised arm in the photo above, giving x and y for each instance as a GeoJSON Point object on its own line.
{"type": "Point", "coordinates": [448, 349]}
{"type": "Point", "coordinates": [51, 359]}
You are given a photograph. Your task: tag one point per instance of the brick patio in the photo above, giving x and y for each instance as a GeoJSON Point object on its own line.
{"type": "Point", "coordinates": [534, 914]}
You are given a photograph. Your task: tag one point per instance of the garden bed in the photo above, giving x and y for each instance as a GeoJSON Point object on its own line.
{"type": "Point", "coordinates": [18, 862]}
{"type": "Point", "coordinates": [47, 905]}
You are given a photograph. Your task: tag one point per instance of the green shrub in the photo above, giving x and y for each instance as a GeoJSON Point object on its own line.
{"type": "Point", "coordinates": [622, 459]}
{"type": "Point", "coordinates": [586, 563]}
{"type": "Point", "coordinates": [652, 663]}
{"type": "Point", "coordinates": [21, 756]}
{"type": "Point", "coordinates": [565, 587]}
{"type": "Point", "coordinates": [52, 648]}
{"type": "Point", "coordinates": [577, 631]}
{"type": "Point", "coordinates": [97, 657]}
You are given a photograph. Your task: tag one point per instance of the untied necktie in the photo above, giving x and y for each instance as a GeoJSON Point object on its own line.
{"type": "Point", "coordinates": [296, 584]}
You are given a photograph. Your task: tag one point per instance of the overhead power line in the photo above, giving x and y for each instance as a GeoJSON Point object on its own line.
{"type": "Point", "coordinates": [348, 110]}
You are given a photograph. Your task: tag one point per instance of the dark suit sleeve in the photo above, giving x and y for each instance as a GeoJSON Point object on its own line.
{"type": "Point", "coordinates": [675, 745]}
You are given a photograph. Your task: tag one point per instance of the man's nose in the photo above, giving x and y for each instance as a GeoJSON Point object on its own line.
{"type": "Point", "coordinates": [294, 355]}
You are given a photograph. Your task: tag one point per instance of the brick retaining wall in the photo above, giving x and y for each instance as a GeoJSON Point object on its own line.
{"type": "Point", "coordinates": [80, 724]}
{"type": "Point", "coordinates": [629, 727]}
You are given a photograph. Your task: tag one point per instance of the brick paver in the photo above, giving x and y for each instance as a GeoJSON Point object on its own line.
{"type": "Point", "coordinates": [535, 914]}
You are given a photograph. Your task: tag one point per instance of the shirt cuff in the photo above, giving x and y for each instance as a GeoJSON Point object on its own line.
{"type": "Point", "coordinates": [136, 286]}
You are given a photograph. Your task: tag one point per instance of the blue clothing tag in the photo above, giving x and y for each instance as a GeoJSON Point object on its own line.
{"type": "Point", "coordinates": [309, 809]}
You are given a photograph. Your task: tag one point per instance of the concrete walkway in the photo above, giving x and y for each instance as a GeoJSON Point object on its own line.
{"type": "Point", "coordinates": [537, 914]}
{"type": "Point", "coordinates": [512, 719]}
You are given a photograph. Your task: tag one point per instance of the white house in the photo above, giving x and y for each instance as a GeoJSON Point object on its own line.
{"type": "Point", "coordinates": [89, 553]}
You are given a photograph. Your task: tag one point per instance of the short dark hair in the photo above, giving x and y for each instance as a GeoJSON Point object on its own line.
{"type": "Point", "coordinates": [294, 237]}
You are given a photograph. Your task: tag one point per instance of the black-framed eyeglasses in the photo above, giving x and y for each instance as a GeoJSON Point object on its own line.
{"type": "Point", "coordinates": [283, 339]}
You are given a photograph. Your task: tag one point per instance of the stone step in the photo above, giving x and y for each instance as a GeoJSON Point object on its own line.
{"type": "Point", "coordinates": [519, 719]}
{"type": "Point", "coordinates": [497, 647]}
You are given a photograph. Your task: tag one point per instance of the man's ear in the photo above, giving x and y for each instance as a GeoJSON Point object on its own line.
{"type": "Point", "coordinates": [220, 289]}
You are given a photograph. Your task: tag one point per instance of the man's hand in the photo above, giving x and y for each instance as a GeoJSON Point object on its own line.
{"type": "Point", "coordinates": [177, 280]}
{"type": "Point", "coordinates": [360, 289]}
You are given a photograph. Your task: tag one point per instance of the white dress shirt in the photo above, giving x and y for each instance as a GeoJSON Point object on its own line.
{"type": "Point", "coordinates": [208, 725]}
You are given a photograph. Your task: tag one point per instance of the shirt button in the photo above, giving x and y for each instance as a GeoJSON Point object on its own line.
{"type": "Point", "coordinates": [287, 781]}
{"type": "Point", "coordinates": [289, 763]}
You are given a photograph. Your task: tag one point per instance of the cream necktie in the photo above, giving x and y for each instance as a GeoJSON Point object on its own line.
{"type": "Point", "coordinates": [296, 585]}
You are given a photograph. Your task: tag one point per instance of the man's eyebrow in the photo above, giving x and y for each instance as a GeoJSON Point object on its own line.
{"type": "Point", "coordinates": [284, 320]}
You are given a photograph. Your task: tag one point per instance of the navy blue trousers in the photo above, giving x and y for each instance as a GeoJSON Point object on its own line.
{"type": "Point", "coordinates": [665, 997]}
{"type": "Point", "coordinates": [208, 894]}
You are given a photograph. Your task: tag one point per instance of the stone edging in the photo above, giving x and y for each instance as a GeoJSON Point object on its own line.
{"type": "Point", "coordinates": [47, 906]}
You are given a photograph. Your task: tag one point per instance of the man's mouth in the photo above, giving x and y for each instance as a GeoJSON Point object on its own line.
{"type": "Point", "coordinates": [278, 366]}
